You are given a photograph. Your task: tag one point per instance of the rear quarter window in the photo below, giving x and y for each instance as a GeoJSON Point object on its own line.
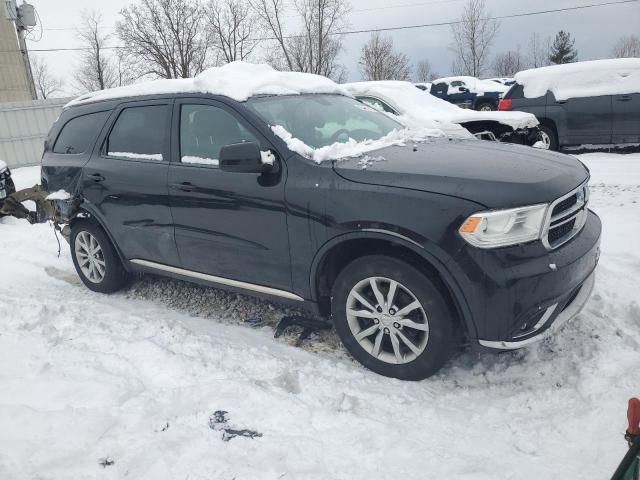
{"type": "Point", "coordinates": [516, 92]}
{"type": "Point", "coordinates": [78, 133]}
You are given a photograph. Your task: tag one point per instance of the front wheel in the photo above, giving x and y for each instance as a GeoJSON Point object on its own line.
{"type": "Point", "coordinates": [392, 318]}
{"type": "Point", "coordinates": [95, 259]}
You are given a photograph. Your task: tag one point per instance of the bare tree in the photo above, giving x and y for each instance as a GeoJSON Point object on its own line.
{"type": "Point", "coordinates": [164, 38]}
{"type": "Point", "coordinates": [627, 47]}
{"type": "Point", "coordinates": [46, 84]}
{"type": "Point", "coordinates": [507, 64]}
{"type": "Point", "coordinates": [472, 39]}
{"type": "Point", "coordinates": [235, 28]}
{"type": "Point", "coordinates": [380, 61]}
{"type": "Point", "coordinates": [96, 70]}
{"type": "Point", "coordinates": [423, 72]}
{"type": "Point", "coordinates": [539, 51]}
{"type": "Point", "coordinates": [315, 48]}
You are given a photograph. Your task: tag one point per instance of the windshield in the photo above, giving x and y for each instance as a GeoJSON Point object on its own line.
{"type": "Point", "coordinates": [322, 120]}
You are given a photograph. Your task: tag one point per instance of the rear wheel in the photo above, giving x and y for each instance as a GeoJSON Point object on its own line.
{"type": "Point", "coordinates": [95, 258]}
{"type": "Point", "coordinates": [486, 107]}
{"type": "Point", "coordinates": [392, 318]}
{"type": "Point", "coordinates": [548, 138]}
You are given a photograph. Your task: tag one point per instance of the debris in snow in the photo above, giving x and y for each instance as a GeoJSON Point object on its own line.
{"type": "Point", "coordinates": [617, 76]}
{"type": "Point", "coordinates": [59, 195]}
{"type": "Point", "coordinates": [353, 148]}
{"type": "Point", "coordinates": [309, 326]}
{"type": "Point", "coordinates": [106, 462]}
{"type": "Point", "coordinates": [367, 161]}
{"type": "Point", "coordinates": [267, 157]}
{"type": "Point", "coordinates": [137, 156]}
{"type": "Point", "coordinates": [237, 80]}
{"type": "Point", "coordinates": [219, 422]}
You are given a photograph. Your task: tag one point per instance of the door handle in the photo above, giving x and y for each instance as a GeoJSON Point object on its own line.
{"type": "Point", "coordinates": [97, 177]}
{"type": "Point", "coordinates": [624, 98]}
{"type": "Point", "coordinates": [561, 102]}
{"type": "Point", "coordinates": [184, 186]}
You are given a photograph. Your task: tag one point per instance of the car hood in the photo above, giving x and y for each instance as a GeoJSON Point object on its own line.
{"type": "Point", "coordinates": [492, 174]}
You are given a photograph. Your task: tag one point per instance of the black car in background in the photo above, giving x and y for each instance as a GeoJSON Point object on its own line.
{"type": "Point", "coordinates": [469, 92]}
{"type": "Point", "coordinates": [409, 250]}
{"type": "Point", "coordinates": [593, 105]}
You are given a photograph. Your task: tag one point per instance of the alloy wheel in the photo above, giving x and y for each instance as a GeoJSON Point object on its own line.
{"type": "Point", "coordinates": [90, 257]}
{"type": "Point", "coordinates": [545, 139]}
{"type": "Point", "coordinates": [387, 320]}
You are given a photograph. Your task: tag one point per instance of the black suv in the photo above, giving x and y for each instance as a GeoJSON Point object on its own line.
{"type": "Point", "coordinates": [410, 250]}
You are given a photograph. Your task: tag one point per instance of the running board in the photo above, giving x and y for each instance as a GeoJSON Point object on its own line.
{"type": "Point", "coordinates": [220, 280]}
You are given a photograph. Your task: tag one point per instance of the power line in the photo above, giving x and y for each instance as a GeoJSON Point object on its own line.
{"type": "Point", "coordinates": [388, 29]}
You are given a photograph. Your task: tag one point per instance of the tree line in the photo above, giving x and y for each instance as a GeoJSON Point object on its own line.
{"type": "Point", "coordinates": [181, 38]}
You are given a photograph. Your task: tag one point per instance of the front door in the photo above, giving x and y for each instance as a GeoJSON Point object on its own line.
{"type": "Point", "coordinates": [626, 118]}
{"type": "Point", "coordinates": [230, 225]}
{"type": "Point", "coordinates": [126, 181]}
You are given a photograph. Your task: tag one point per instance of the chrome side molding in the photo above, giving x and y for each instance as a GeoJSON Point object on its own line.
{"type": "Point", "coordinates": [219, 280]}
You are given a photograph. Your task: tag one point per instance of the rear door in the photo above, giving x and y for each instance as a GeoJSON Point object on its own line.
{"type": "Point", "coordinates": [229, 225]}
{"type": "Point", "coordinates": [626, 118]}
{"type": "Point", "coordinates": [125, 181]}
{"type": "Point", "coordinates": [587, 120]}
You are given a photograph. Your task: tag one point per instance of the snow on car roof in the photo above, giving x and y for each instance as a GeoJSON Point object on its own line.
{"type": "Point", "coordinates": [475, 84]}
{"type": "Point", "coordinates": [237, 80]}
{"type": "Point", "coordinates": [583, 79]}
{"type": "Point", "coordinates": [421, 107]}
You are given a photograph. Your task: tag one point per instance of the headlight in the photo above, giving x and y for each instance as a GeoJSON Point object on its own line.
{"type": "Point", "coordinates": [499, 228]}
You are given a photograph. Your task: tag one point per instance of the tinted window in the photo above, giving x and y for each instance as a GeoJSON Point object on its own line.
{"type": "Point", "coordinates": [377, 104]}
{"type": "Point", "coordinates": [517, 91]}
{"type": "Point", "coordinates": [139, 133]}
{"type": "Point", "coordinates": [79, 132]}
{"type": "Point", "coordinates": [205, 129]}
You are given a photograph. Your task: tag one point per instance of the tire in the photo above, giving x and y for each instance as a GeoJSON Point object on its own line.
{"type": "Point", "coordinates": [108, 273]}
{"type": "Point", "coordinates": [486, 107]}
{"type": "Point", "coordinates": [548, 137]}
{"type": "Point", "coordinates": [433, 345]}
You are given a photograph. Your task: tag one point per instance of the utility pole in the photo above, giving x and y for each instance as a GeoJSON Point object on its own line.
{"type": "Point", "coordinates": [24, 17]}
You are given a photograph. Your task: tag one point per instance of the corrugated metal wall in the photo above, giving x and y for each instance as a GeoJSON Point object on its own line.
{"type": "Point", "coordinates": [24, 127]}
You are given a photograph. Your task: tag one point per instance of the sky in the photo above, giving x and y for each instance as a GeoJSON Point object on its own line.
{"type": "Point", "coordinates": [595, 30]}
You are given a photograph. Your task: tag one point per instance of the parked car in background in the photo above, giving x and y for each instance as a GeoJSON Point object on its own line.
{"type": "Point", "coordinates": [469, 92]}
{"type": "Point", "coordinates": [6, 183]}
{"type": "Point", "coordinates": [414, 106]}
{"type": "Point", "coordinates": [586, 103]}
{"type": "Point", "coordinates": [506, 81]}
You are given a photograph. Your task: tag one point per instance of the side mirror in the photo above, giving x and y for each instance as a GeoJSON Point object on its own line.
{"type": "Point", "coordinates": [242, 158]}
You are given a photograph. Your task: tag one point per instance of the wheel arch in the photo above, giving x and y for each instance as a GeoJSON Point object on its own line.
{"type": "Point", "coordinates": [334, 255]}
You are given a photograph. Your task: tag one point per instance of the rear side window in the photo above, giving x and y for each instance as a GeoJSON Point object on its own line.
{"type": "Point", "coordinates": [139, 133]}
{"type": "Point", "coordinates": [78, 132]}
{"type": "Point", "coordinates": [516, 92]}
{"type": "Point", "coordinates": [205, 129]}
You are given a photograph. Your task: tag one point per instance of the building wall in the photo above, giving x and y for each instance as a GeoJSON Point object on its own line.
{"type": "Point", "coordinates": [24, 127]}
{"type": "Point", "coordinates": [14, 85]}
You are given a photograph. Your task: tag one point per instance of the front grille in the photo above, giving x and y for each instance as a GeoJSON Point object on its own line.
{"type": "Point", "coordinates": [567, 216]}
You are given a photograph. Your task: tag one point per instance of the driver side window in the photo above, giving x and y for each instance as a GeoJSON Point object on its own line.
{"type": "Point", "coordinates": [205, 129]}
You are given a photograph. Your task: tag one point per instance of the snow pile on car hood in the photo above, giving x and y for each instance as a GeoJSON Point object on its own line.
{"type": "Point", "coordinates": [418, 107]}
{"type": "Point", "coordinates": [2, 165]}
{"type": "Point", "coordinates": [237, 80]}
{"type": "Point", "coordinates": [352, 148]}
{"type": "Point", "coordinates": [475, 85]}
{"type": "Point", "coordinates": [583, 79]}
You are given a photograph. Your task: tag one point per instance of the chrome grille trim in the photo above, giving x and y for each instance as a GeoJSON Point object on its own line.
{"type": "Point", "coordinates": [577, 212]}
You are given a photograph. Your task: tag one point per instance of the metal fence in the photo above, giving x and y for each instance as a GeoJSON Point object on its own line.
{"type": "Point", "coordinates": [24, 127]}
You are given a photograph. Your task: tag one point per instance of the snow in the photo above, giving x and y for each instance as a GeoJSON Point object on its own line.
{"type": "Point", "coordinates": [352, 148]}
{"type": "Point", "coordinates": [3, 165]}
{"type": "Point", "coordinates": [422, 108]}
{"type": "Point", "coordinates": [199, 160]}
{"type": "Point", "coordinates": [237, 80]}
{"type": "Point", "coordinates": [134, 378]}
{"type": "Point", "coordinates": [267, 157]}
{"type": "Point", "coordinates": [475, 85]}
{"type": "Point", "coordinates": [59, 195]}
{"type": "Point", "coordinates": [137, 156]}
{"type": "Point", "coordinates": [583, 79]}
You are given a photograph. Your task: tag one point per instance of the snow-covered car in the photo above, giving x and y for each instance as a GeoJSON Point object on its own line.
{"type": "Point", "coordinates": [469, 92]}
{"type": "Point", "coordinates": [595, 103]}
{"type": "Point", "coordinates": [414, 106]}
{"type": "Point", "coordinates": [282, 185]}
{"type": "Point", "coordinates": [6, 183]}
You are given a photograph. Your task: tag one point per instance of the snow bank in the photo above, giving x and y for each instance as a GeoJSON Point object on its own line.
{"type": "Point", "coordinates": [583, 79]}
{"type": "Point", "coordinates": [475, 85]}
{"type": "Point", "coordinates": [352, 148]}
{"type": "Point", "coordinates": [237, 80]}
{"type": "Point", "coordinates": [422, 108]}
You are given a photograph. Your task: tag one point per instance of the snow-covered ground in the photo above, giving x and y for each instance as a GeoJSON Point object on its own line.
{"type": "Point", "coordinates": [124, 386]}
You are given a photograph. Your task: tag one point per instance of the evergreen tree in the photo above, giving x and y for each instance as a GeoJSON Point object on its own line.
{"type": "Point", "coordinates": [563, 49]}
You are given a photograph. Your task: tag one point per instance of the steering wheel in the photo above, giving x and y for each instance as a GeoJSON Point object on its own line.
{"type": "Point", "coordinates": [334, 137]}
